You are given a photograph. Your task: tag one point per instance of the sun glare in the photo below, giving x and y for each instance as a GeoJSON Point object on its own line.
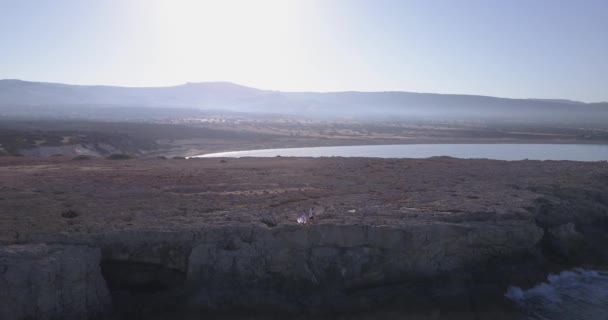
{"type": "Point", "coordinates": [225, 38]}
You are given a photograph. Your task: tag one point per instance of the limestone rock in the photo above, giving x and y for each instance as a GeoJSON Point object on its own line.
{"type": "Point", "coordinates": [565, 240]}
{"type": "Point", "coordinates": [51, 282]}
{"type": "Point", "coordinates": [337, 257]}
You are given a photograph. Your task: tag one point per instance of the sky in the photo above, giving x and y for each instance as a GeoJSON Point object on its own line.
{"type": "Point", "coordinates": [507, 48]}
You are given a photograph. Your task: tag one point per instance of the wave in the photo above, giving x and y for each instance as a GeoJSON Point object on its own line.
{"type": "Point", "coordinates": [575, 294]}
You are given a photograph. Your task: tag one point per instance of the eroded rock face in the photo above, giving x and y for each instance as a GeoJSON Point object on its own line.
{"type": "Point", "coordinates": [51, 282]}
{"type": "Point", "coordinates": [289, 267]}
{"type": "Point", "coordinates": [303, 262]}
{"type": "Point", "coordinates": [315, 253]}
{"type": "Point", "coordinates": [565, 239]}
{"type": "Point", "coordinates": [294, 268]}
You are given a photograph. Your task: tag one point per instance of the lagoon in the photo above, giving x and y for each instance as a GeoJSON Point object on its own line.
{"type": "Point", "coordinates": [574, 152]}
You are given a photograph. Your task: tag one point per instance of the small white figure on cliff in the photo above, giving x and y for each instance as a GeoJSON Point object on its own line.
{"type": "Point", "coordinates": [302, 218]}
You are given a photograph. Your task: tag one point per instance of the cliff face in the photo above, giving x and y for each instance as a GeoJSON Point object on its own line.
{"type": "Point", "coordinates": [51, 282]}
{"type": "Point", "coordinates": [354, 255]}
{"type": "Point", "coordinates": [323, 266]}
{"type": "Point", "coordinates": [289, 268]}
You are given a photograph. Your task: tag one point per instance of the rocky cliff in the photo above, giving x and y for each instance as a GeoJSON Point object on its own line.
{"type": "Point", "coordinates": [41, 281]}
{"type": "Point", "coordinates": [288, 268]}
{"type": "Point", "coordinates": [442, 251]}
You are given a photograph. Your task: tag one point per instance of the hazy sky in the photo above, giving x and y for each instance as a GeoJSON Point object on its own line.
{"type": "Point", "coordinates": [509, 48]}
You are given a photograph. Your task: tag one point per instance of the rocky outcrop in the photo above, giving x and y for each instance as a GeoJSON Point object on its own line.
{"type": "Point", "coordinates": [354, 254]}
{"type": "Point", "coordinates": [575, 221]}
{"type": "Point", "coordinates": [293, 268]}
{"type": "Point", "coordinates": [203, 237]}
{"type": "Point", "coordinates": [320, 267]}
{"type": "Point", "coordinates": [289, 267]}
{"type": "Point", "coordinates": [565, 239]}
{"type": "Point", "coordinates": [51, 282]}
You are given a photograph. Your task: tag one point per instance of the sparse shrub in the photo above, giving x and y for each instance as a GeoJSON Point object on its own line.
{"type": "Point", "coordinates": [69, 214]}
{"type": "Point", "coordinates": [179, 158]}
{"type": "Point", "coordinates": [81, 157]}
{"type": "Point", "coordinates": [161, 158]}
{"type": "Point", "coordinates": [119, 156]}
{"type": "Point", "coordinates": [269, 223]}
{"type": "Point", "coordinates": [223, 161]}
{"type": "Point", "coordinates": [57, 155]}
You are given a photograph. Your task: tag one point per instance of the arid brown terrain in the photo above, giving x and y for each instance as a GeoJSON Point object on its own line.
{"type": "Point", "coordinates": [196, 136]}
{"type": "Point", "coordinates": [190, 194]}
{"type": "Point", "coordinates": [220, 234]}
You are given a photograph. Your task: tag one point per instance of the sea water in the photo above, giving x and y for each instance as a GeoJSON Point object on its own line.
{"type": "Point", "coordinates": [570, 295]}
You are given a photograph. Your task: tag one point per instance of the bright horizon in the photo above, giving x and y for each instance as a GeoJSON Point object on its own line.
{"type": "Point", "coordinates": [514, 49]}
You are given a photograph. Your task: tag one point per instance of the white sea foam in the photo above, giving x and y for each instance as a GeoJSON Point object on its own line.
{"type": "Point", "coordinates": [576, 294]}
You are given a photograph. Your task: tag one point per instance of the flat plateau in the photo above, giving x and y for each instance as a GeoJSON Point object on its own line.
{"type": "Point", "coordinates": [174, 195]}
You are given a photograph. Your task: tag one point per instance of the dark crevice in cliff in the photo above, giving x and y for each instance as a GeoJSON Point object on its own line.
{"type": "Point", "coordinates": [140, 290]}
{"type": "Point", "coordinates": [139, 277]}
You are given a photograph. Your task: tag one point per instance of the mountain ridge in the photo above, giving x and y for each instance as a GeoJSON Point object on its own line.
{"type": "Point", "coordinates": [237, 85]}
{"type": "Point", "coordinates": [228, 96]}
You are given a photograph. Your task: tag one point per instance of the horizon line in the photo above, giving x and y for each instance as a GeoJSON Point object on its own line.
{"type": "Point", "coordinates": [563, 100]}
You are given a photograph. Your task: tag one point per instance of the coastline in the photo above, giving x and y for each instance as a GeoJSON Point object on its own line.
{"type": "Point", "coordinates": [456, 233]}
{"type": "Point", "coordinates": [193, 152]}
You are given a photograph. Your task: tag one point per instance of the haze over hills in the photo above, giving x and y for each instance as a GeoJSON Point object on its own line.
{"type": "Point", "coordinates": [17, 96]}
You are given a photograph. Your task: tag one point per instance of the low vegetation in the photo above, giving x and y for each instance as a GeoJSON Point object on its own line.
{"type": "Point", "coordinates": [82, 157]}
{"type": "Point", "coordinates": [119, 156]}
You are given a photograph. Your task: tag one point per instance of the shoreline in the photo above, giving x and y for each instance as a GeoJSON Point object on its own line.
{"type": "Point", "coordinates": [192, 154]}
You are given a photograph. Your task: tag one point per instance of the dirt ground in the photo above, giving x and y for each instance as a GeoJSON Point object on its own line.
{"type": "Point", "coordinates": [89, 196]}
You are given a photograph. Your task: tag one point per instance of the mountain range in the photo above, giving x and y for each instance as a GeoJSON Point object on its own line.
{"type": "Point", "coordinates": [230, 97]}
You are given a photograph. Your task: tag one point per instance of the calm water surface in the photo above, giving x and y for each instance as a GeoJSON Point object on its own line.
{"type": "Point", "coordinates": [575, 152]}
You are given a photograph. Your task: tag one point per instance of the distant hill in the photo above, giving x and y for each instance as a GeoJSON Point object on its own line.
{"type": "Point", "coordinates": [33, 96]}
